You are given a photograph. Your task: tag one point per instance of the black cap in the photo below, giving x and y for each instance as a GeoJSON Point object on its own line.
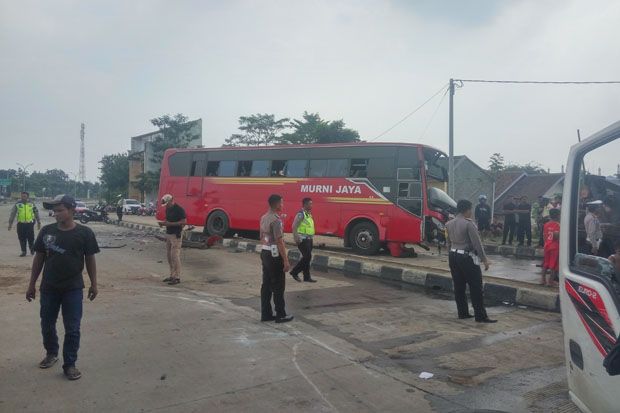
{"type": "Point", "coordinates": [67, 200]}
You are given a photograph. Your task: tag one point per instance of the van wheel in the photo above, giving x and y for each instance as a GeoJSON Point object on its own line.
{"type": "Point", "coordinates": [364, 238]}
{"type": "Point", "coordinates": [217, 224]}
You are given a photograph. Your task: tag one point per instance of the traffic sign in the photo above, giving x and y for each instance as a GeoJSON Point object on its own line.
{"type": "Point", "coordinates": [5, 182]}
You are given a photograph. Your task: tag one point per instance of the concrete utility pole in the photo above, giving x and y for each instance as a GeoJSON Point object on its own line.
{"type": "Point", "coordinates": [82, 166]}
{"type": "Point", "coordinates": [451, 142]}
{"type": "Point", "coordinates": [24, 168]}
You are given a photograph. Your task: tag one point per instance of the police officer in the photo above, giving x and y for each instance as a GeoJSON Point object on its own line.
{"type": "Point", "coordinates": [466, 255]}
{"type": "Point", "coordinates": [274, 261]}
{"type": "Point", "coordinates": [26, 213]}
{"type": "Point", "coordinates": [303, 231]}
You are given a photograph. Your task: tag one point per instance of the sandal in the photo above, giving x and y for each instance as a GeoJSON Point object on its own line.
{"type": "Point", "coordinates": [174, 281]}
{"type": "Point", "coordinates": [167, 280]}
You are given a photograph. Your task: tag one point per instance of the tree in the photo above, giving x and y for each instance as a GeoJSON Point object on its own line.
{"type": "Point", "coordinates": [175, 133]}
{"type": "Point", "coordinates": [529, 168]}
{"type": "Point", "coordinates": [313, 129]}
{"type": "Point", "coordinates": [147, 181]}
{"type": "Point", "coordinates": [114, 175]}
{"type": "Point", "coordinates": [496, 163]}
{"type": "Point", "coordinates": [258, 129]}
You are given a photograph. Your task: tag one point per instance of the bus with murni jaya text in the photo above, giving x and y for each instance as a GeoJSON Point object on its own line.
{"type": "Point", "coordinates": [372, 195]}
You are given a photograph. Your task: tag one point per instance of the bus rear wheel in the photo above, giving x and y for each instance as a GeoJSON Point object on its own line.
{"type": "Point", "coordinates": [364, 238]}
{"type": "Point", "coordinates": [217, 224]}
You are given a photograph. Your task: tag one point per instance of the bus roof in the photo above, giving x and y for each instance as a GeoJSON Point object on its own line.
{"type": "Point", "coordinates": [313, 145]}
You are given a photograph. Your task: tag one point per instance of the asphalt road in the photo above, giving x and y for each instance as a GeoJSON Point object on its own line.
{"type": "Point", "coordinates": [356, 345]}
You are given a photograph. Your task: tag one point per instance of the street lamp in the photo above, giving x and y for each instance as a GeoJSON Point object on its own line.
{"type": "Point", "coordinates": [24, 168]}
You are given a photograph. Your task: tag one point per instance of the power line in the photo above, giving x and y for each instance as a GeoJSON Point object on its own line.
{"type": "Point", "coordinates": [410, 113]}
{"type": "Point", "coordinates": [543, 82]}
{"type": "Point", "coordinates": [434, 113]}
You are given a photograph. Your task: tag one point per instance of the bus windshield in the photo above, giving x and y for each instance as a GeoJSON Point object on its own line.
{"type": "Point", "coordinates": [439, 199]}
{"type": "Point", "coordinates": [436, 165]}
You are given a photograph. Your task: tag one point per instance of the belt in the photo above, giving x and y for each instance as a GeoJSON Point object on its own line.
{"type": "Point", "coordinates": [304, 236]}
{"type": "Point", "coordinates": [266, 247]}
{"type": "Point", "coordinates": [462, 252]}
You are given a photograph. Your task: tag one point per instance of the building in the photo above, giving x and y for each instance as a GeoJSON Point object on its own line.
{"type": "Point", "coordinates": [141, 159]}
{"type": "Point", "coordinates": [471, 180]}
{"type": "Point", "coordinates": [533, 186]}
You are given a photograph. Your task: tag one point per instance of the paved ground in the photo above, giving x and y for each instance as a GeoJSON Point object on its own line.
{"type": "Point", "coordinates": [356, 345]}
{"type": "Point", "coordinates": [524, 270]}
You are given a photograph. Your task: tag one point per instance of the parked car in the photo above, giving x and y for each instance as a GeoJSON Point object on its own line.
{"type": "Point", "coordinates": [131, 206]}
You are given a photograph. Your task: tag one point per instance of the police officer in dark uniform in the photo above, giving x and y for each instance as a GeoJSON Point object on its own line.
{"type": "Point", "coordinates": [466, 255]}
{"type": "Point", "coordinates": [275, 263]}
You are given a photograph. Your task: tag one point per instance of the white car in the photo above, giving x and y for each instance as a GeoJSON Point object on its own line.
{"type": "Point", "coordinates": [131, 206]}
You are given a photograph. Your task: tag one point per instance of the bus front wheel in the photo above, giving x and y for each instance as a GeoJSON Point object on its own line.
{"type": "Point", "coordinates": [217, 224]}
{"type": "Point", "coordinates": [364, 238]}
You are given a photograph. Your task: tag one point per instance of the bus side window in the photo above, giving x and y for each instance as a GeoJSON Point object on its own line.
{"type": "Point", "coordinates": [296, 169]}
{"type": "Point", "coordinates": [337, 167]}
{"type": "Point", "coordinates": [318, 168]}
{"type": "Point", "coordinates": [244, 168]}
{"type": "Point", "coordinates": [260, 168]}
{"type": "Point", "coordinates": [359, 168]}
{"type": "Point", "coordinates": [277, 168]}
{"type": "Point", "coordinates": [212, 168]}
{"type": "Point", "coordinates": [227, 168]}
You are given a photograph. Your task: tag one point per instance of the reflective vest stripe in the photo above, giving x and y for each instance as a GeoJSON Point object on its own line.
{"type": "Point", "coordinates": [306, 226]}
{"type": "Point", "coordinates": [25, 213]}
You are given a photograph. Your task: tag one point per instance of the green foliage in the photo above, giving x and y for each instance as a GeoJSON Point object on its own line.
{"type": "Point", "coordinates": [313, 129]}
{"type": "Point", "coordinates": [51, 183]}
{"type": "Point", "coordinates": [175, 133]}
{"type": "Point", "coordinates": [529, 168]}
{"type": "Point", "coordinates": [114, 175]}
{"type": "Point", "coordinates": [258, 129]}
{"type": "Point", "coordinates": [147, 181]}
{"type": "Point", "coordinates": [496, 163]}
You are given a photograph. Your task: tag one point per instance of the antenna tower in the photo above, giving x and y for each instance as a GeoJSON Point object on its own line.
{"type": "Point", "coordinates": [82, 174]}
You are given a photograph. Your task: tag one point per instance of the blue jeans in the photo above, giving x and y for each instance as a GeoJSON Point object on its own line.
{"type": "Point", "coordinates": [71, 303]}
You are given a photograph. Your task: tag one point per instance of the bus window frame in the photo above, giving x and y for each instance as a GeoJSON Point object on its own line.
{"type": "Point", "coordinates": [574, 220]}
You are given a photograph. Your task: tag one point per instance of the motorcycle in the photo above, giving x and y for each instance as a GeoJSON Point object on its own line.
{"type": "Point", "coordinates": [94, 215]}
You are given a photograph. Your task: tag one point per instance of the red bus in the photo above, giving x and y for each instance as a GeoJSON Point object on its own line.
{"type": "Point", "coordinates": [373, 195]}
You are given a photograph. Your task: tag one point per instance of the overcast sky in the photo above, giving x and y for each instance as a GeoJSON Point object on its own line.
{"type": "Point", "coordinates": [116, 64]}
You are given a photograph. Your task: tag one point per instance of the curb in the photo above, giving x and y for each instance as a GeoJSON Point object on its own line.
{"type": "Point", "coordinates": [516, 251]}
{"type": "Point", "coordinates": [494, 292]}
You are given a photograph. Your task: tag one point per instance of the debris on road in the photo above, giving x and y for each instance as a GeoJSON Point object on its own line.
{"type": "Point", "coordinates": [426, 375]}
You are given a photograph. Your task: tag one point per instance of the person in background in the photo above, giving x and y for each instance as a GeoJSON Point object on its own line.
{"type": "Point", "coordinates": [524, 224]}
{"type": "Point", "coordinates": [538, 208]}
{"type": "Point", "coordinates": [483, 216]}
{"type": "Point", "coordinates": [27, 213]}
{"type": "Point", "coordinates": [551, 233]}
{"type": "Point", "coordinates": [62, 251]}
{"type": "Point", "coordinates": [609, 217]}
{"type": "Point", "coordinates": [119, 208]}
{"type": "Point", "coordinates": [303, 232]}
{"type": "Point", "coordinates": [615, 259]}
{"type": "Point", "coordinates": [509, 221]}
{"type": "Point", "coordinates": [174, 223]}
{"type": "Point", "coordinates": [592, 225]}
{"type": "Point", "coordinates": [275, 264]}
{"type": "Point", "coordinates": [465, 256]}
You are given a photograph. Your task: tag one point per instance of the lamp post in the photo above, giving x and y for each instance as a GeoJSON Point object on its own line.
{"type": "Point", "coordinates": [24, 168]}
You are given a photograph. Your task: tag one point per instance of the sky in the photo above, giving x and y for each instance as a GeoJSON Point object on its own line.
{"type": "Point", "coordinates": [114, 65]}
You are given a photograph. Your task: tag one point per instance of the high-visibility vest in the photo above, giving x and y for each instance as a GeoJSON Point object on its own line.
{"type": "Point", "coordinates": [306, 226]}
{"type": "Point", "coordinates": [25, 212]}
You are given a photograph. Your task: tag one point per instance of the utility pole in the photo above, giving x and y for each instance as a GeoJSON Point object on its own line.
{"type": "Point", "coordinates": [24, 168]}
{"type": "Point", "coordinates": [82, 172]}
{"type": "Point", "coordinates": [451, 142]}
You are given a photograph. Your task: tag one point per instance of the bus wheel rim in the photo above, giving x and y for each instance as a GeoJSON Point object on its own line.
{"type": "Point", "coordinates": [363, 239]}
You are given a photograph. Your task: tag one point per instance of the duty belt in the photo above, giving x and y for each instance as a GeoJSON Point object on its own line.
{"type": "Point", "coordinates": [266, 247]}
{"type": "Point", "coordinates": [462, 252]}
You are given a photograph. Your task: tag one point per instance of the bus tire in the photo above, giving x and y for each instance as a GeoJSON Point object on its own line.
{"type": "Point", "coordinates": [217, 224]}
{"type": "Point", "coordinates": [364, 238]}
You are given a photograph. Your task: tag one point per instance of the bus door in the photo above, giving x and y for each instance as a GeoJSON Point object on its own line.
{"type": "Point", "coordinates": [195, 182]}
{"type": "Point", "coordinates": [590, 269]}
{"type": "Point", "coordinates": [409, 195]}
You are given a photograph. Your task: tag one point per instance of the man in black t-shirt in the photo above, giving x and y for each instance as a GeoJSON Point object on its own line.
{"type": "Point", "coordinates": [174, 223]}
{"type": "Point", "coordinates": [524, 226]}
{"type": "Point", "coordinates": [62, 249]}
{"type": "Point", "coordinates": [510, 223]}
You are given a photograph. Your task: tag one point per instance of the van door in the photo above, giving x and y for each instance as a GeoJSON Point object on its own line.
{"type": "Point", "coordinates": [589, 288]}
